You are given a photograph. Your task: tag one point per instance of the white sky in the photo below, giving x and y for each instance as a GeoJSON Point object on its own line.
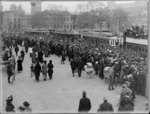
{"type": "Point", "coordinates": [71, 5]}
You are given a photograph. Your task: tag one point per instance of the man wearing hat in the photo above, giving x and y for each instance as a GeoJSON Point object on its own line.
{"type": "Point", "coordinates": [9, 106]}
{"type": "Point", "coordinates": [26, 106]}
{"type": "Point", "coordinates": [10, 70]}
{"type": "Point", "coordinates": [105, 106]}
{"type": "Point", "coordinates": [84, 104]}
{"type": "Point", "coordinates": [123, 92]}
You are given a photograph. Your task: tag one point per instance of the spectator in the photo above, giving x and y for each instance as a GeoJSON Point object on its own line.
{"type": "Point", "coordinates": [84, 104]}
{"type": "Point", "coordinates": [19, 61]}
{"type": "Point", "coordinates": [9, 106]}
{"type": "Point", "coordinates": [50, 69]}
{"type": "Point", "coordinates": [105, 106]}
{"type": "Point", "coordinates": [26, 106]}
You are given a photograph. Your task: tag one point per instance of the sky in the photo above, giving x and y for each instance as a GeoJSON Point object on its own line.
{"type": "Point", "coordinates": [71, 5]}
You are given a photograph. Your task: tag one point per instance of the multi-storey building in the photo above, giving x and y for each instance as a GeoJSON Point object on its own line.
{"type": "Point", "coordinates": [14, 19]}
{"type": "Point", "coordinates": [68, 22]}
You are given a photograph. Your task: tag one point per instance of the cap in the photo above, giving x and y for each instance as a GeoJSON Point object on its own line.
{"type": "Point", "coordinates": [26, 103]}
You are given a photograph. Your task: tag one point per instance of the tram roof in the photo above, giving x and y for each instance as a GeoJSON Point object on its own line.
{"type": "Point", "coordinates": [36, 30]}
{"type": "Point", "coordinates": [137, 41]}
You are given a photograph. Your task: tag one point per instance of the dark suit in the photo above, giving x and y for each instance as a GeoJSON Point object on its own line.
{"type": "Point", "coordinates": [84, 105]}
{"type": "Point", "coordinates": [73, 66]}
{"type": "Point", "coordinates": [79, 67]}
{"type": "Point", "coordinates": [105, 106]}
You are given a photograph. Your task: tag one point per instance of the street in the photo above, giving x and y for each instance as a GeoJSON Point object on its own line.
{"type": "Point", "coordinates": [62, 93]}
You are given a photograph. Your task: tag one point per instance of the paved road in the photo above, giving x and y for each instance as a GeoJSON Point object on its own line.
{"type": "Point", "coordinates": [62, 93]}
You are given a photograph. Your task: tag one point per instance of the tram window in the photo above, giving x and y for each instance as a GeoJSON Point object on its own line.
{"type": "Point", "coordinates": [127, 46]}
{"type": "Point", "coordinates": [146, 50]}
{"type": "Point", "coordinates": [130, 46]}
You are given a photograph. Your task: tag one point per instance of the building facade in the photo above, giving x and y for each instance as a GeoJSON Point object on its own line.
{"type": "Point", "coordinates": [14, 19]}
{"type": "Point", "coordinates": [68, 23]}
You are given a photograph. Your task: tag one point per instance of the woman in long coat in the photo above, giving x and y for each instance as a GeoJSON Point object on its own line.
{"type": "Point", "coordinates": [19, 62]}
{"type": "Point", "coordinates": [37, 71]}
{"type": "Point", "coordinates": [22, 54]}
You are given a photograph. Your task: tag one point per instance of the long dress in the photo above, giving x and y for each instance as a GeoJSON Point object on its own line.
{"type": "Point", "coordinates": [20, 68]}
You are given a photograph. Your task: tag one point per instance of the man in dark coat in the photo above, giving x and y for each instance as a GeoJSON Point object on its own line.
{"type": "Point", "coordinates": [105, 106]}
{"type": "Point", "coordinates": [141, 81]}
{"type": "Point", "coordinates": [16, 50]}
{"type": "Point", "coordinates": [101, 68]}
{"type": "Point", "coordinates": [40, 56]}
{"type": "Point", "coordinates": [84, 104]}
{"type": "Point", "coordinates": [79, 66]}
{"type": "Point", "coordinates": [9, 71]}
{"type": "Point", "coordinates": [50, 69]}
{"type": "Point", "coordinates": [73, 66]}
{"type": "Point", "coordinates": [22, 54]}
{"type": "Point", "coordinates": [26, 47]}
{"type": "Point", "coordinates": [129, 102]}
{"type": "Point", "coordinates": [37, 71]}
{"type": "Point", "coordinates": [9, 106]}
{"type": "Point", "coordinates": [96, 67]}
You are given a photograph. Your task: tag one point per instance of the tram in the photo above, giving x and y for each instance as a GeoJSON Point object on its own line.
{"type": "Point", "coordinates": [140, 45]}
{"type": "Point", "coordinates": [98, 37]}
{"type": "Point", "coordinates": [105, 37]}
{"type": "Point", "coordinates": [37, 32]}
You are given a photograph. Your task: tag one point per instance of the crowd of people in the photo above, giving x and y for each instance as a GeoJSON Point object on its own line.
{"type": "Point", "coordinates": [11, 108]}
{"type": "Point", "coordinates": [136, 32]}
{"type": "Point", "coordinates": [128, 68]}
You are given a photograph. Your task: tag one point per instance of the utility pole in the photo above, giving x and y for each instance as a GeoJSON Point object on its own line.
{"type": "Point", "coordinates": [148, 78]}
{"type": "Point", "coordinates": [117, 25]}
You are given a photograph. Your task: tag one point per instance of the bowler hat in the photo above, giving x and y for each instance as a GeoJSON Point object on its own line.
{"type": "Point", "coordinates": [26, 103]}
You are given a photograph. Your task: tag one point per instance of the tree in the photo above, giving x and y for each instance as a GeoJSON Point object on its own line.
{"type": "Point", "coordinates": [97, 12]}
{"type": "Point", "coordinates": [48, 19]}
{"type": "Point", "coordinates": [56, 8]}
{"type": "Point", "coordinates": [122, 16]}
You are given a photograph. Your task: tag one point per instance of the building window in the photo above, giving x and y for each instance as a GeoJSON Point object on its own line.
{"type": "Point", "coordinates": [67, 26]}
